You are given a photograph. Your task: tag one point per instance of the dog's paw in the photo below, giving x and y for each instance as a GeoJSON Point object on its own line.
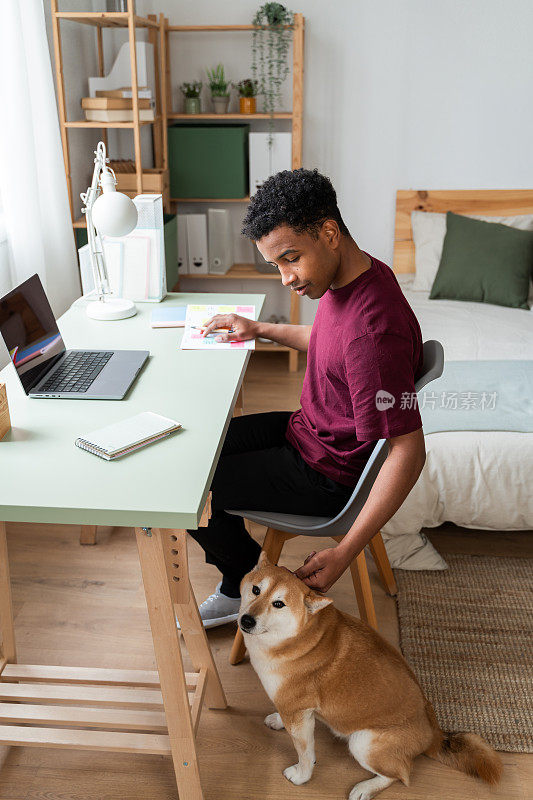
{"type": "Point", "coordinates": [366, 790]}
{"type": "Point", "coordinates": [360, 794]}
{"type": "Point", "coordinates": [296, 775]}
{"type": "Point", "coordinates": [274, 721]}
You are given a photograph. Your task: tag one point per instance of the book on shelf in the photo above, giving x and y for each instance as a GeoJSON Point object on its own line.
{"type": "Point", "coordinates": [112, 103]}
{"type": "Point", "coordinates": [126, 91]}
{"type": "Point", "coordinates": [118, 115]}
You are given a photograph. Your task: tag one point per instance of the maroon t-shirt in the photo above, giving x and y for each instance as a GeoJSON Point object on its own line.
{"type": "Point", "coordinates": [364, 354]}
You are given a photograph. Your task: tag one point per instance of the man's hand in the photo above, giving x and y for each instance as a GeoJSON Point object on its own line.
{"type": "Point", "coordinates": [321, 570]}
{"type": "Point", "coordinates": [239, 328]}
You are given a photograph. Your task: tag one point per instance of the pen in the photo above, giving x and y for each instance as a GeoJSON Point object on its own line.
{"type": "Point", "coordinates": [215, 330]}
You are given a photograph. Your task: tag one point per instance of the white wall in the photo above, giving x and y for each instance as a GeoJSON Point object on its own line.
{"type": "Point", "coordinates": [426, 94]}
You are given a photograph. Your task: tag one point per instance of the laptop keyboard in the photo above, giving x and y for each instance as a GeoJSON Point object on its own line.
{"type": "Point", "coordinates": [76, 372]}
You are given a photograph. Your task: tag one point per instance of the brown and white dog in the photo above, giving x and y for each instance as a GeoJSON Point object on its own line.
{"type": "Point", "coordinates": [316, 662]}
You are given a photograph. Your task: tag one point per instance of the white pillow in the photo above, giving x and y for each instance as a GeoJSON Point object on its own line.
{"type": "Point", "coordinates": [429, 230]}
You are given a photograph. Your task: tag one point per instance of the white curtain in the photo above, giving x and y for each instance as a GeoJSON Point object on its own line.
{"type": "Point", "coordinates": [33, 186]}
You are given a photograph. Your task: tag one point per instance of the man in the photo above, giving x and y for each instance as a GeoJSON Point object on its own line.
{"type": "Point", "coordinates": [364, 351]}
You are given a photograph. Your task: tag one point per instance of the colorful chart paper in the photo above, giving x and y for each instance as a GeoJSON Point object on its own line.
{"type": "Point", "coordinates": [199, 315]}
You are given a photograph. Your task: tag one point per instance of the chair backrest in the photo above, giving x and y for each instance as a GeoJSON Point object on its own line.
{"type": "Point", "coordinates": [433, 364]}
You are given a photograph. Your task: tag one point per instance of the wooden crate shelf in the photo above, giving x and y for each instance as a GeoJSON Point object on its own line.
{"type": "Point", "coordinates": [155, 35]}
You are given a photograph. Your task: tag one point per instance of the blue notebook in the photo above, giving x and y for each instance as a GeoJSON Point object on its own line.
{"type": "Point", "coordinates": [169, 317]}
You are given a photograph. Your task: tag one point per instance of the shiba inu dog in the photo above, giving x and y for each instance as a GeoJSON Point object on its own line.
{"type": "Point", "coordinates": [316, 662]}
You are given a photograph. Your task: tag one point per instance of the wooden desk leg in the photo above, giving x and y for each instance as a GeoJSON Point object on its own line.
{"type": "Point", "coordinates": [7, 628]}
{"type": "Point", "coordinates": [193, 630]}
{"type": "Point", "coordinates": [88, 534]}
{"type": "Point", "coordinates": [238, 411]}
{"type": "Point", "coordinates": [159, 599]}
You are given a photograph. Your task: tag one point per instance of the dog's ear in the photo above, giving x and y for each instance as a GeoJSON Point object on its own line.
{"type": "Point", "coordinates": [263, 559]}
{"type": "Point", "coordinates": [315, 602]}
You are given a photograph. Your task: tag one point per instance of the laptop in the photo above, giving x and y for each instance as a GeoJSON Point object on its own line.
{"type": "Point", "coordinates": [45, 367]}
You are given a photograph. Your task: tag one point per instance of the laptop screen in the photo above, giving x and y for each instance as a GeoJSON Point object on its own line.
{"type": "Point", "coordinates": [29, 329]}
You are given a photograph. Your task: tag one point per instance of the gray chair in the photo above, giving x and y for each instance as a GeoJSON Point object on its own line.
{"type": "Point", "coordinates": [281, 527]}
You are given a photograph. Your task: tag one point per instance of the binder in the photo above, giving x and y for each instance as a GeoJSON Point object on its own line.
{"type": "Point", "coordinates": [220, 241]}
{"type": "Point", "coordinates": [183, 256]}
{"type": "Point", "coordinates": [267, 160]}
{"type": "Point", "coordinates": [197, 244]}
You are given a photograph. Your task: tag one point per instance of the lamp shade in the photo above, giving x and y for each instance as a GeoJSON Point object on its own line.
{"type": "Point", "coordinates": [114, 214]}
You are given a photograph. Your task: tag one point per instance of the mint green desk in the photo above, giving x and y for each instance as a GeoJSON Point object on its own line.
{"type": "Point", "coordinates": [160, 491]}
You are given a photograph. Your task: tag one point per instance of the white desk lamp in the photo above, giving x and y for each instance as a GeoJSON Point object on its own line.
{"type": "Point", "coordinates": [113, 214]}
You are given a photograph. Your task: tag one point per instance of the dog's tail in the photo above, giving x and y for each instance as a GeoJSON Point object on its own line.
{"type": "Point", "coordinates": [469, 753]}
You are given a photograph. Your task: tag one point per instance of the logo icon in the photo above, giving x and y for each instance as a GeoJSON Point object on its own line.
{"type": "Point", "coordinates": [384, 400]}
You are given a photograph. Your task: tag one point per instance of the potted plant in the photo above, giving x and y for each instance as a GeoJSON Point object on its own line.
{"type": "Point", "coordinates": [271, 39]}
{"type": "Point", "coordinates": [193, 102]}
{"type": "Point", "coordinates": [219, 89]}
{"type": "Point", "coordinates": [247, 92]}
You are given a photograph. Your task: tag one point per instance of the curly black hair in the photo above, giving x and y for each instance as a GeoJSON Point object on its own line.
{"type": "Point", "coordinates": [302, 199]}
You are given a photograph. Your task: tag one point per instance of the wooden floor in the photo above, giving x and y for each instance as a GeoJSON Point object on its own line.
{"type": "Point", "coordinates": [85, 606]}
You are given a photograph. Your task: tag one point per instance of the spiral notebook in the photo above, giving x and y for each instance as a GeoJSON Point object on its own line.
{"type": "Point", "coordinates": [114, 441]}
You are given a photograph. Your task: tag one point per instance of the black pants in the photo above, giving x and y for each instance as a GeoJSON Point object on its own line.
{"type": "Point", "coordinates": [260, 470]}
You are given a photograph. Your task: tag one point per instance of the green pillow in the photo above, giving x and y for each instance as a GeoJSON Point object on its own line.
{"type": "Point", "coordinates": [486, 262]}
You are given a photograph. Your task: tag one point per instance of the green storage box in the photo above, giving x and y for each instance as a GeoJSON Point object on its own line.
{"type": "Point", "coordinates": [208, 161]}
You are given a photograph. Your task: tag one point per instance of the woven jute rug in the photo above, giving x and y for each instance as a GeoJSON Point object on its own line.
{"type": "Point", "coordinates": [468, 635]}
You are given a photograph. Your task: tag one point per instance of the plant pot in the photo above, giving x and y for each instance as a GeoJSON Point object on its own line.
{"type": "Point", "coordinates": [193, 105]}
{"type": "Point", "coordinates": [247, 105]}
{"type": "Point", "coordinates": [221, 104]}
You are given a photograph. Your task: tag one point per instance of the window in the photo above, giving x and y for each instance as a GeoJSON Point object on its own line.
{"type": "Point", "coordinates": [5, 271]}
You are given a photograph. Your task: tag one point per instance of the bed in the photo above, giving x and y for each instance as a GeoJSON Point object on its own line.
{"type": "Point", "coordinates": [475, 479]}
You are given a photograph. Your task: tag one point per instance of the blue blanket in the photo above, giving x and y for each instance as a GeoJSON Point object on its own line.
{"type": "Point", "coordinates": [479, 396]}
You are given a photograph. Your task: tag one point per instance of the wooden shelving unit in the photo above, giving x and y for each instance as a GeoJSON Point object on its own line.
{"type": "Point", "coordinates": [210, 200]}
{"type": "Point", "coordinates": [234, 115]}
{"type": "Point", "coordinates": [240, 272]}
{"type": "Point", "coordinates": [295, 116]}
{"type": "Point", "coordinates": [123, 19]}
{"type": "Point", "coordinates": [158, 34]}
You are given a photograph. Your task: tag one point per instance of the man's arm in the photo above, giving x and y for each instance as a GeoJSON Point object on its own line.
{"type": "Point", "coordinates": [395, 480]}
{"type": "Point", "coordinates": [296, 336]}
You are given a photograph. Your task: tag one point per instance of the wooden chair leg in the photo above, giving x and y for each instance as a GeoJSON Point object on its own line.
{"type": "Point", "coordinates": [363, 590]}
{"type": "Point", "coordinates": [272, 546]}
{"type": "Point", "coordinates": [381, 559]}
{"type": "Point", "coordinates": [7, 630]}
{"type": "Point", "coordinates": [88, 534]}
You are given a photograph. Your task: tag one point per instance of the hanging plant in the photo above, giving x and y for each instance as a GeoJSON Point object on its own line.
{"type": "Point", "coordinates": [271, 41]}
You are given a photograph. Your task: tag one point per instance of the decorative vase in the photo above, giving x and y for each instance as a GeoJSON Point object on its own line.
{"type": "Point", "coordinates": [247, 105]}
{"type": "Point", "coordinates": [221, 104]}
{"type": "Point", "coordinates": [193, 105]}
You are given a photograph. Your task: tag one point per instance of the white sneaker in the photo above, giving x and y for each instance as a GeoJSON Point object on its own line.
{"type": "Point", "coordinates": [218, 609]}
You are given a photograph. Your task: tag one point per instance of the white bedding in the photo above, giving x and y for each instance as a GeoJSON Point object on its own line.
{"type": "Point", "coordinates": [476, 479]}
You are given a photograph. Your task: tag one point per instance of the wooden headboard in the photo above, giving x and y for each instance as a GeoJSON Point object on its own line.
{"type": "Point", "coordinates": [490, 202]}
